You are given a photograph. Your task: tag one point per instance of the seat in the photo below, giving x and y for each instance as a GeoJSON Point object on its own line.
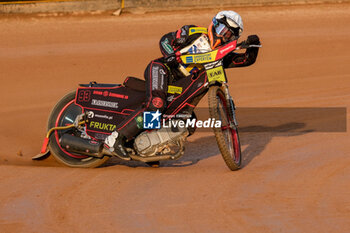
{"type": "Point", "coordinates": [135, 84]}
{"type": "Point", "coordinates": [95, 84]}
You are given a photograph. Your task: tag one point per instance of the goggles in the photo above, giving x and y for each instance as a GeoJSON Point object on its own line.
{"type": "Point", "coordinates": [225, 32]}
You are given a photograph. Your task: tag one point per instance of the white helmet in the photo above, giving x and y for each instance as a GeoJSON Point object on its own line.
{"type": "Point", "coordinates": [228, 25]}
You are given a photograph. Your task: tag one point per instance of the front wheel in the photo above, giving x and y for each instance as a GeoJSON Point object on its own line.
{"type": "Point", "coordinates": [64, 113]}
{"type": "Point", "coordinates": [227, 136]}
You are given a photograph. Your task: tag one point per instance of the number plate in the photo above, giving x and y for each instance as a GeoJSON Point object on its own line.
{"type": "Point", "coordinates": [216, 74]}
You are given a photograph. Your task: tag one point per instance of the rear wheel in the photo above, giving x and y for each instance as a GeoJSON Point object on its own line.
{"type": "Point", "coordinates": [64, 113]}
{"type": "Point", "coordinates": [227, 136]}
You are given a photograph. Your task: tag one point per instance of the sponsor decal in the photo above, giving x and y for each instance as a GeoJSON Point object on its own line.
{"type": "Point", "coordinates": [199, 58]}
{"type": "Point", "coordinates": [195, 30]}
{"type": "Point", "coordinates": [84, 96]}
{"type": "Point", "coordinates": [102, 126]}
{"type": "Point", "coordinates": [193, 49]}
{"type": "Point", "coordinates": [139, 122]}
{"type": "Point", "coordinates": [120, 96]}
{"type": "Point", "coordinates": [167, 46]}
{"type": "Point", "coordinates": [203, 58]}
{"type": "Point", "coordinates": [170, 98]}
{"type": "Point", "coordinates": [91, 114]}
{"type": "Point", "coordinates": [151, 120]}
{"type": "Point", "coordinates": [216, 74]}
{"type": "Point", "coordinates": [103, 103]}
{"type": "Point", "coordinates": [157, 102]}
{"type": "Point", "coordinates": [155, 76]}
{"type": "Point", "coordinates": [162, 72]}
{"type": "Point", "coordinates": [97, 92]}
{"type": "Point", "coordinates": [106, 93]}
{"type": "Point", "coordinates": [225, 49]}
{"type": "Point", "coordinates": [189, 59]}
{"type": "Point", "coordinates": [104, 116]}
{"type": "Point", "coordinates": [174, 89]}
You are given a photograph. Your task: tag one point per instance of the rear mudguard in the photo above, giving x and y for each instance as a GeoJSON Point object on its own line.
{"type": "Point", "coordinates": [42, 156]}
{"type": "Point", "coordinates": [45, 152]}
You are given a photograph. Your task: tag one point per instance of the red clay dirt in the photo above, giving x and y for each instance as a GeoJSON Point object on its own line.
{"type": "Point", "coordinates": [290, 182]}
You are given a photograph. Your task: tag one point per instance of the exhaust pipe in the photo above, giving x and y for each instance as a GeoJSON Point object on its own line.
{"type": "Point", "coordinates": [81, 146]}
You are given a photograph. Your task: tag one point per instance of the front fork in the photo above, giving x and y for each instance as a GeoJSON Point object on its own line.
{"type": "Point", "coordinates": [231, 107]}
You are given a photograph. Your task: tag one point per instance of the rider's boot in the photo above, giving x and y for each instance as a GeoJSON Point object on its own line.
{"type": "Point", "coordinates": [114, 144]}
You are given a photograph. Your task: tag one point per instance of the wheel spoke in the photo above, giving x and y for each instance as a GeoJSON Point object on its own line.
{"type": "Point", "coordinates": [227, 137]}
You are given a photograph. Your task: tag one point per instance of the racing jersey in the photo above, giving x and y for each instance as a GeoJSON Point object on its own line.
{"type": "Point", "coordinates": [175, 43]}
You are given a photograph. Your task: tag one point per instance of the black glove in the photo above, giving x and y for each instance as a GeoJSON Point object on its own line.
{"type": "Point", "coordinates": [253, 40]}
{"type": "Point", "coordinates": [243, 44]}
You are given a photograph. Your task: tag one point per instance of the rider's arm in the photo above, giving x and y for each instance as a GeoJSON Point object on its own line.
{"type": "Point", "coordinates": [172, 42]}
{"type": "Point", "coordinates": [166, 44]}
{"type": "Point", "coordinates": [243, 59]}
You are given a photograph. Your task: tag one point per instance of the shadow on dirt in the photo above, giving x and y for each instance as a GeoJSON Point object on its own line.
{"type": "Point", "coordinates": [256, 138]}
{"type": "Point", "coordinates": [253, 139]}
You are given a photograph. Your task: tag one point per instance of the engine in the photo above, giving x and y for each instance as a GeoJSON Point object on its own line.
{"type": "Point", "coordinates": [164, 141]}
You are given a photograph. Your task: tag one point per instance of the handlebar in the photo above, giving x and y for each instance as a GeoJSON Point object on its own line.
{"type": "Point", "coordinates": [244, 46]}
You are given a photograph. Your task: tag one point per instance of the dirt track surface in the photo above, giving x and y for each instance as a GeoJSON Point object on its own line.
{"type": "Point", "coordinates": [290, 182]}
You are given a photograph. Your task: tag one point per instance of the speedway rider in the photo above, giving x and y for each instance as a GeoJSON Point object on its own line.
{"type": "Point", "coordinates": [226, 26]}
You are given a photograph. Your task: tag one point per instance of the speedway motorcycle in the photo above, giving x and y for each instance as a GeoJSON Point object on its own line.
{"type": "Point", "coordinates": [81, 120]}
